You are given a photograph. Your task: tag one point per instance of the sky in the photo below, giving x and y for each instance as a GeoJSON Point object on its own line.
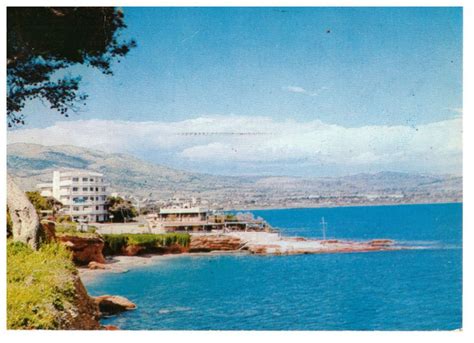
{"type": "Point", "coordinates": [277, 91]}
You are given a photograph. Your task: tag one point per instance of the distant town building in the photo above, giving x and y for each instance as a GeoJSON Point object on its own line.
{"type": "Point", "coordinates": [82, 193]}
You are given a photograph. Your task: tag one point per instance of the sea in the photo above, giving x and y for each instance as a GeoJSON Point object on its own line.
{"type": "Point", "coordinates": [414, 289]}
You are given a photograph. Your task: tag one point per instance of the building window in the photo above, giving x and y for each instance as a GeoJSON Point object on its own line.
{"type": "Point", "coordinates": [74, 189]}
{"type": "Point", "coordinates": [92, 189]}
{"type": "Point", "coordinates": [75, 179]}
{"type": "Point", "coordinates": [96, 198]}
{"type": "Point", "coordinates": [84, 189]}
{"type": "Point", "coordinates": [103, 189]}
{"type": "Point", "coordinates": [97, 189]}
{"type": "Point", "coordinates": [75, 208]}
{"type": "Point", "coordinates": [92, 180]}
{"type": "Point", "coordinates": [97, 208]}
{"type": "Point", "coordinates": [84, 179]}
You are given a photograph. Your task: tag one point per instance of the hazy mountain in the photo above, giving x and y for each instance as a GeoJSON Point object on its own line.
{"type": "Point", "coordinates": [34, 163]}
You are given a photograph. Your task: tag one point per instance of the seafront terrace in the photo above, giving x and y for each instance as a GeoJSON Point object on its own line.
{"type": "Point", "coordinates": [191, 227]}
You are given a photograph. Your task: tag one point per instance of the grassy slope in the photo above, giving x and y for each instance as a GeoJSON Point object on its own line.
{"type": "Point", "coordinates": [40, 286]}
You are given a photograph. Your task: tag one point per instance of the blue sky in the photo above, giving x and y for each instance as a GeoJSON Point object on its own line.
{"type": "Point", "coordinates": [345, 68]}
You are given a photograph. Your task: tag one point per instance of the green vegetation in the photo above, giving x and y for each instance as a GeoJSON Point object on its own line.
{"type": "Point", "coordinates": [36, 52]}
{"type": "Point", "coordinates": [40, 286]}
{"type": "Point", "coordinates": [121, 209]}
{"type": "Point", "coordinates": [64, 218]}
{"type": "Point", "coordinates": [115, 242]}
{"type": "Point", "coordinates": [66, 227]}
{"type": "Point", "coordinates": [39, 202]}
{"type": "Point", "coordinates": [42, 203]}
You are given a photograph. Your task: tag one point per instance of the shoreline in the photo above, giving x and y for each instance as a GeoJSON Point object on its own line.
{"type": "Point", "coordinates": [339, 206]}
{"type": "Point", "coordinates": [119, 264]}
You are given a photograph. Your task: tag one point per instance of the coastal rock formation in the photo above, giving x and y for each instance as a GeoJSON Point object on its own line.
{"type": "Point", "coordinates": [113, 304]}
{"type": "Point", "coordinates": [85, 314]}
{"type": "Point", "coordinates": [48, 231]}
{"type": "Point", "coordinates": [84, 249]}
{"type": "Point", "coordinates": [207, 243]}
{"type": "Point", "coordinates": [97, 265]}
{"type": "Point", "coordinates": [132, 250]}
{"type": "Point", "coordinates": [276, 245]}
{"type": "Point", "coordinates": [381, 242]}
{"type": "Point", "coordinates": [25, 221]}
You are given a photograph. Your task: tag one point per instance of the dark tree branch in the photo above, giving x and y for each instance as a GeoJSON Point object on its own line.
{"type": "Point", "coordinates": [43, 40]}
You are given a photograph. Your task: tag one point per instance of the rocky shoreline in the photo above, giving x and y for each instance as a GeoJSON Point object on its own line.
{"type": "Point", "coordinates": [229, 244]}
{"type": "Point", "coordinates": [89, 251]}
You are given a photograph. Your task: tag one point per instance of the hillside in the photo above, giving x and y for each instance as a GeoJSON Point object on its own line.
{"type": "Point", "coordinates": [33, 163]}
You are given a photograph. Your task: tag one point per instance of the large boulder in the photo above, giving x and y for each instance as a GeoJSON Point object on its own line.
{"type": "Point", "coordinates": [25, 221]}
{"type": "Point", "coordinates": [113, 304]}
{"type": "Point", "coordinates": [97, 265]}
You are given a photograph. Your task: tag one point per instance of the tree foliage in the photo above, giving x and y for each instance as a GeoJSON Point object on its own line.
{"type": "Point", "coordinates": [44, 40]}
{"type": "Point", "coordinates": [42, 203]}
{"type": "Point", "coordinates": [39, 202]}
{"type": "Point", "coordinates": [121, 209]}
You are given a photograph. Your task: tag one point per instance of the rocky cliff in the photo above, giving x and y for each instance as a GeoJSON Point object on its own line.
{"type": "Point", "coordinates": [84, 249]}
{"type": "Point", "coordinates": [85, 314]}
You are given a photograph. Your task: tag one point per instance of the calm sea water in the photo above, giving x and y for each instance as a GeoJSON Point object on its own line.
{"type": "Point", "coordinates": [400, 290]}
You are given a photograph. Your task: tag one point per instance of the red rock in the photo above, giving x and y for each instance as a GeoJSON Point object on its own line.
{"type": "Point", "coordinates": [110, 327]}
{"type": "Point", "coordinates": [112, 304]}
{"type": "Point", "coordinates": [132, 250]}
{"type": "Point", "coordinates": [381, 242]}
{"type": "Point", "coordinates": [214, 242]}
{"type": "Point", "coordinates": [84, 249]}
{"type": "Point", "coordinates": [97, 265]}
{"type": "Point", "coordinates": [330, 241]}
{"type": "Point", "coordinates": [49, 230]}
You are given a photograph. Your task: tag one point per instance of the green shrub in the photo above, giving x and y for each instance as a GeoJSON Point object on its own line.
{"type": "Point", "coordinates": [148, 240]}
{"type": "Point", "coordinates": [64, 218]}
{"type": "Point", "coordinates": [40, 286]}
{"type": "Point", "coordinates": [114, 243]}
{"type": "Point", "coordinates": [66, 227]}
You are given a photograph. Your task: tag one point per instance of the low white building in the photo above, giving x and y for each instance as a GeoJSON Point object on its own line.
{"type": "Point", "coordinates": [82, 193]}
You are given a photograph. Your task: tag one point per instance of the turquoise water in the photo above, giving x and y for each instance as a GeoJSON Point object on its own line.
{"type": "Point", "coordinates": [398, 290]}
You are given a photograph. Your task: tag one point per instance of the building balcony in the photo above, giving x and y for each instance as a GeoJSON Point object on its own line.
{"type": "Point", "coordinates": [87, 193]}
{"type": "Point", "coordinates": [83, 203]}
{"type": "Point", "coordinates": [85, 212]}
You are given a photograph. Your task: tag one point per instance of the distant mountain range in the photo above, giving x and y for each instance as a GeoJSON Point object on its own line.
{"type": "Point", "coordinates": [33, 163]}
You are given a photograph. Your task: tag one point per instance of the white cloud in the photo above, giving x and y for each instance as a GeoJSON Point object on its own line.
{"type": "Point", "coordinates": [238, 141]}
{"type": "Point", "coordinates": [301, 90]}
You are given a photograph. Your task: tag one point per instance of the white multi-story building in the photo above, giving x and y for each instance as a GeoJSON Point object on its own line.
{"type": "Point", "coordinates": [82, 193]}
